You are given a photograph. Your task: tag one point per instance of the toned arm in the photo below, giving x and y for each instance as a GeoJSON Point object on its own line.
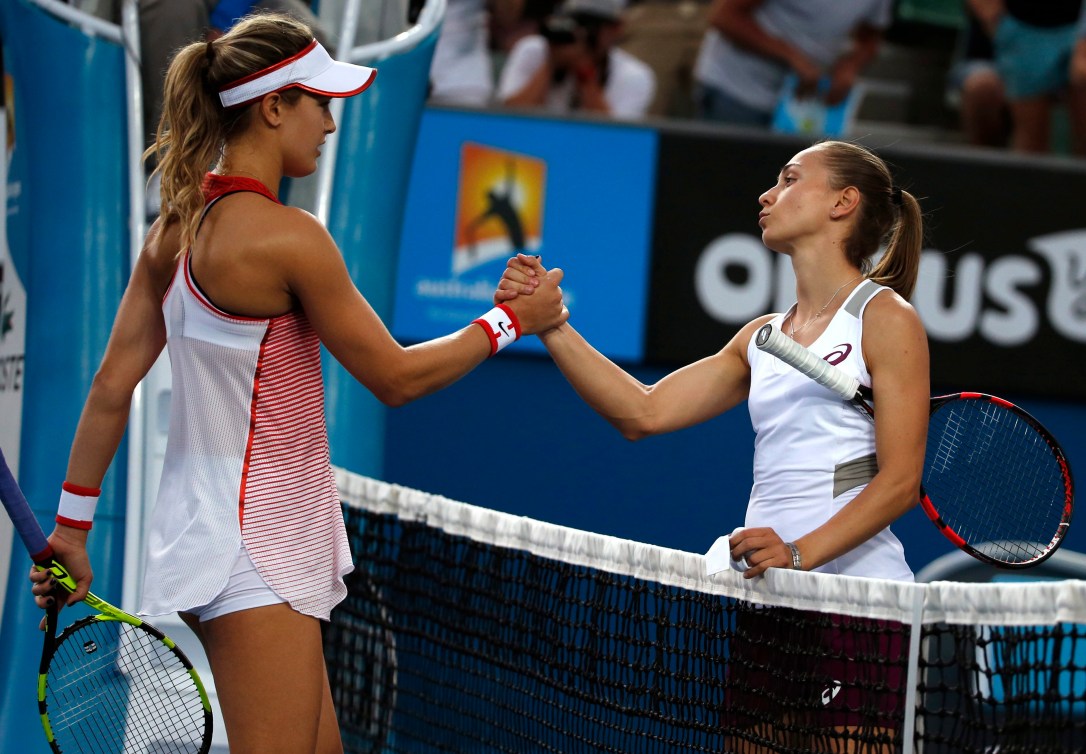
{"type": "Point", "coordinates": [688, 396]}
{"type": "Point", "coordinates": [316, 276]}
{"type": "Point", "coordinates": [137, 339]}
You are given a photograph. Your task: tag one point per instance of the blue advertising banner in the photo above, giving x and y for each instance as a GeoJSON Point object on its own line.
{"type": "Point", "coordinates": [486, 185]}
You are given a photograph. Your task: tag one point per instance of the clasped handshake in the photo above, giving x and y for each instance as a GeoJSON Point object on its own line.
{"type": "Point", "coordinates": [533, 293]}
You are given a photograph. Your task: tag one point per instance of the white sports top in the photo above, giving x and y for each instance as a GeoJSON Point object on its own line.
{"type": "Point", "coordinates": [246, 460]}
{"type": "Point", "coordinates": [814, 452]}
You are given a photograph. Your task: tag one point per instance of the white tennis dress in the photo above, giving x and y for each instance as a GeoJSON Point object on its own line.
{"type": "Point", "coordinates": [247, 460]}
{"type": "Point", "coordinates": [814, 452]}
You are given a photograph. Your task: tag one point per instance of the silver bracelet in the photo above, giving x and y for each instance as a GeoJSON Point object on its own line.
{"type": "Point", "coordinates": [797, 563]}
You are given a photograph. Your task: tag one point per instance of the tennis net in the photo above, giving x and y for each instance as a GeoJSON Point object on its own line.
{"type": "Point", "coordinates": [471, 630]}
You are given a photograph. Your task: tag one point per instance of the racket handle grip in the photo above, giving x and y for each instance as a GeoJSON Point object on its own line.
{"type": "Point", "coordinates": [19, 511]}
{"type": "Point", "coordinates": [776, 343]}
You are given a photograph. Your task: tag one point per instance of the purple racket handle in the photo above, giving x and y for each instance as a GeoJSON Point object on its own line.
{"type": "Point", "coordinates": [19, 511]}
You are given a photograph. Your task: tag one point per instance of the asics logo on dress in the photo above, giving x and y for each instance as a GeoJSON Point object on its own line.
{"type": "Point", "coordinates": [838, 354]}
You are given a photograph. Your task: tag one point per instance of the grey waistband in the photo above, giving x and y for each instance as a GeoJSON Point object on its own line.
{"type": "Point", "coordinates": [854, 473]}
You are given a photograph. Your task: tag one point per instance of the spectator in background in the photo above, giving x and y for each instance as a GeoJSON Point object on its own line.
{"type": "Point", "coordinates": [511, 21]}
{"type": "Point", "coordinates": [573, 64]}
{"type": "Point", "coordinates": [751, 46]}
{"type": "Point", "coordinates": [461, 72]}
{"type": "Point", "coordinates": [1033, 42]}
{"type": "Point", "coordinates": [975, 88]}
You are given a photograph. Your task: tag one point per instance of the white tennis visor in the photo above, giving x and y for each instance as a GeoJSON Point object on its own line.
{"type": "Point", "coordinates": [311, 69]}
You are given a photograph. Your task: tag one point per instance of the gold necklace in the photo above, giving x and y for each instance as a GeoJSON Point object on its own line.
{"type": "Point", "coordinates": [792, 329]}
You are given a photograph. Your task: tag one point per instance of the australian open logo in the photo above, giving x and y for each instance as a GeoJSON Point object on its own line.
{"type": "Point", "coordinates": [499, 206]}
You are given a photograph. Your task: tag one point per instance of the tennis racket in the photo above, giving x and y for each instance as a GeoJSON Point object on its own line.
{"type": "Point", "coordinates": [995, 482]}
{"type": "Point", "coordinates": [109, 682]}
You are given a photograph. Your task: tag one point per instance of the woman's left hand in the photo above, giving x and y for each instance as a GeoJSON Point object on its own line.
{"type": "Point", "coordinates": [762, 549]}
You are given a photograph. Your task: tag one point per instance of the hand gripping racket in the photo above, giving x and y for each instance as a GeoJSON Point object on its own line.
{"type": "Point", "coordinates": [109, 682]}
{"type": "Point", "coordinates": [995, 482]}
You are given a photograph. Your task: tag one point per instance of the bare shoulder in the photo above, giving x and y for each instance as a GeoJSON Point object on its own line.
{"type": "Point", "coordinates": [740, 342]}
{"type": "Point", "coordinates": [893, 332]}
{"type": "Point", "coordinates": [281, 241]}
{"type": "Point", "coordinates": [297, 219]}
{"type": "Point", "coordinates": [287, 231]}
{"type": "Point", "coordinates": [891, 314]}
{"type": "Point", "coordinates": [301, 254]}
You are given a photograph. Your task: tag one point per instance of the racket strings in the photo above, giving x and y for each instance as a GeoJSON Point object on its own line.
{"type": "Point", "coordinates": [112, 685]}
{"type": "Point", "coordinates": [994, 479]}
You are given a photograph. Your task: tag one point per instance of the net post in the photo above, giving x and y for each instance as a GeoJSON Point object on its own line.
{"type": "Point", "coordinates": [916, 629]}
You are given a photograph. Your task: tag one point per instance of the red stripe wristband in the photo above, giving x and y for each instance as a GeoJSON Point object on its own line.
{"type": "Point", "coordinates": [500, 325]}
{"type": "Point", "coordinates": [77, 504]}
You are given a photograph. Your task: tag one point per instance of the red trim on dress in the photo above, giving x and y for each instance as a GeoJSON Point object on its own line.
{"type": "Point", "coordinates": [252, 430]}
{"type": "Point", "coordinates": [198, 294]}
{"type": "Point", "coordinates": [215, 185]}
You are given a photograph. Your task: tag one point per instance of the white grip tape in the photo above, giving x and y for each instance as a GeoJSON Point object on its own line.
{"type": "Point", "coordinates": [776, 343]}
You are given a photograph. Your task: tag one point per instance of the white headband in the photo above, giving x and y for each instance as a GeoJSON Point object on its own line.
{"type": "Point", "coordinates": [312, 69]}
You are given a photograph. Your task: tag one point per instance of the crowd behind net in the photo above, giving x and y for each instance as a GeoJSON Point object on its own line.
{"type": "Point", "coordinates": [471, 630]}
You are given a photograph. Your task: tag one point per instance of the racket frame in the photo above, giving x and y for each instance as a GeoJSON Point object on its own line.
{"type": "Point", "coordinates": [41, 552]}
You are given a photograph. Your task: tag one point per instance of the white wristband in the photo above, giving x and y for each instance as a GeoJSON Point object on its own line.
{"type": "Point", "coordinates": [77, 504]}
{"type": "Point", "coordinates": [500, 325]}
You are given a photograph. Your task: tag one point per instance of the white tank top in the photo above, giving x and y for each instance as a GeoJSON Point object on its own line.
{"type": "Point", "coordinates": [246, 460]}
{"type": "Point", "coordinates": [813, 451]}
